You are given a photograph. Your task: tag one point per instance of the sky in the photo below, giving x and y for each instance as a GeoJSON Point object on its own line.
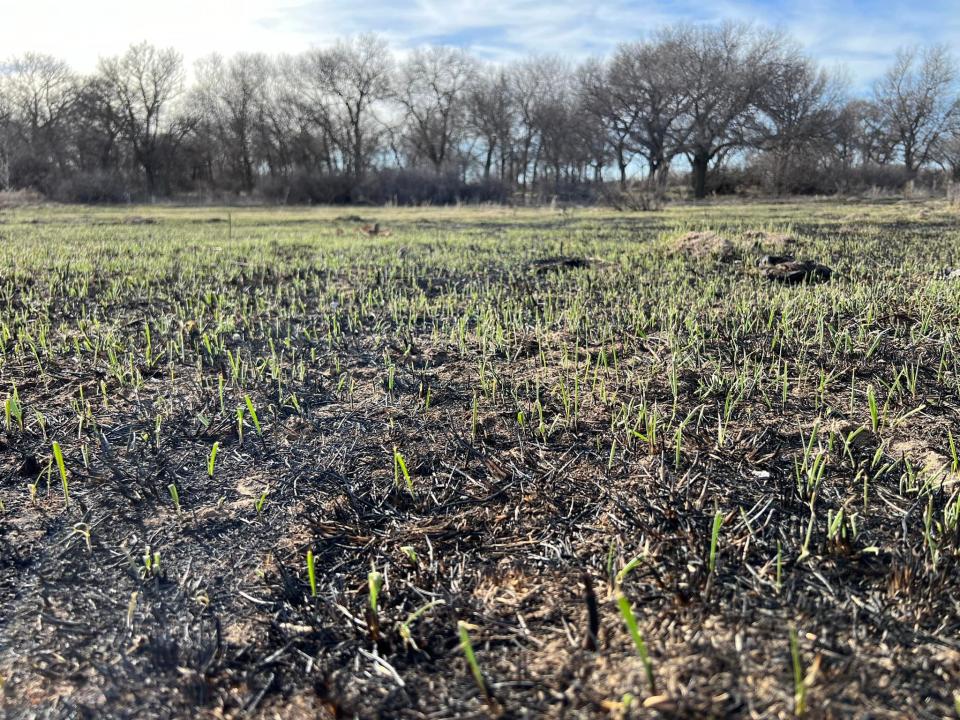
{"type": "Point", "coordinates": [858, 35]}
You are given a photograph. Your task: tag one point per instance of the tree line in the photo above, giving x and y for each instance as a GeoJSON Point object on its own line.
{"type": "Point", "coordinates": [711, 108]}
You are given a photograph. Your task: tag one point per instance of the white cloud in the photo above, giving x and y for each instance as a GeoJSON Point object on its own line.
{"type": "Point", "coordinates": [861, 35]}
{"type": "Point", "coordinates": [80, 31]}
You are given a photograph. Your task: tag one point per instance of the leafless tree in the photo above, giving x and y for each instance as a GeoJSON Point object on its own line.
{"type": "Point", "coordinates": [344, 86]}
{"type": "Point", "coordinates": [644, 80]}
{"type": "Point", "coordinates": [98, 126]}
{"type": "Point", "coordinates": [4, 140]}
{"type": "Point", "coordinates": [918, 102]}
{"type": "Point", "coordinates": [142, 84]}
{"type": "Point", "coordinates": [723, 68]}
{"type": "Point", "coordinates": [282, 124]}
{"type": "Point", "coordinates": [541, 85]}
{"type": "Point", "coordinates": [491, 117]}
{"type": "Point", "coordinates": [431, 90]}
{"type": "Point", "coordinates": [797, 107]}
{"type": "Point", "coordinates": [947, 155]}
{"type": "Point", "coordinates": [346, 123]}
{"type": "Point", "coordinates": [603, 97]}
{"type": "Point", "coordinates": [555, 116]}
{"type": "Point", "coordinates": [231, 96]}
{"type": "Point", "coordinates": [40, 92]}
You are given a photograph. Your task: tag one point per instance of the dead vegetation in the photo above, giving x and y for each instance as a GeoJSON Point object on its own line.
{"type": "Point", "coordinates": [19, 198]}
{"type": "Point", "coordinates": [785, 269]}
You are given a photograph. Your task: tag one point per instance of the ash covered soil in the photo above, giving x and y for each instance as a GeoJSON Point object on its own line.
{"type": "Point", "coordinates": [512, 425]}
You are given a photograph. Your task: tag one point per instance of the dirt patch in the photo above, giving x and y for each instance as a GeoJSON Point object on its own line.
{"type": "Point", "coordinates": [704, 246]}
{"type": "Point", "coordinates": [934, 465]}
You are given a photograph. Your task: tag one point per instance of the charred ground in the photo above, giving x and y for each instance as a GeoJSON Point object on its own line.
{"type": "Point", "coordinates": [578, 400]}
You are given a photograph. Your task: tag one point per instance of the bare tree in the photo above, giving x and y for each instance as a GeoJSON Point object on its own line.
{"type": "Point", "coordinates": [723, 69]}
{"type": "Point", "coordinates": [592, 125]}
{"type": "Point", "coordinates": [142, 84]}
{"type": "Point", "coordinates": [4, 139]}
{"type": "Point", "coordinates": [317, 125]}
{"type": "Point", "coordinates": [431, 90]}
{"type": "Point", "coordinates": [40, 92]}
{"type": "Point", "coordinates": [359, 80]}
{"type": "Point", "coordinates": [541, 86]}
{"type": "Point", "coordinates": [98, 127]}
{"type": "Point", "coordinates": [342, 87]}
{"type": "Point", "coordinates": [602, 96]}
{"type": "Point", "coordinates": [797, 106]}
{"type": "Point", "coordinates": [491, 116]}
{"type": "Point", "coordinates": [947, 155]}
{"type": "Point", "coordinates": [918, 102]}
{"type": "Point", "coordinates": [282, 124]}
{"type": "Point", "coordinates": [643, 78]}
{"type": "Point", "coordinates": [230, 96]}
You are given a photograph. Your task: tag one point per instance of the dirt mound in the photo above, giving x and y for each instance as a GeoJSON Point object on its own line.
{"type": "Point", "coordinates": [768, 241]}
{"type": "Point", "coordinates": [703, 245]}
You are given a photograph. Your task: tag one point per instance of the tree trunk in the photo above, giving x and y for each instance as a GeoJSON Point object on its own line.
{"type": "Point", "coordinates": [488, 162]}
{"type": "Point", "coordinates": [151, 177]}
{"type": "Point", "coordinates": [622, 165]}
{"type": "Point", "coordinates": [701, 162]}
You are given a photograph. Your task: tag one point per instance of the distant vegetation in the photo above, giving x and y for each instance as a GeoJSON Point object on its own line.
{"type": "Point", "coordinates": [691, 110]}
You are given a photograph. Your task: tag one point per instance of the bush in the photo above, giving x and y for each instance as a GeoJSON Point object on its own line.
{"type": "Point", "coordinates": [398, 186]}
{"type": "Point", "coordinates": [304, 188]}
{"type": "Point", "coordinates": [99, 186]}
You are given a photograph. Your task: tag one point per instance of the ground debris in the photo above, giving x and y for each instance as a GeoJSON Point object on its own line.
{"type": "Point", "coordinates": [374, 229]}
{"type": "Point", "coordinates": [557, 263]}
{"type": "Point", "coordinates": [786, 270]}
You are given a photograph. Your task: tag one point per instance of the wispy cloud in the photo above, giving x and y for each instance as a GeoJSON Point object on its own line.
{"type": "Point", "coordinates": [859, 34]}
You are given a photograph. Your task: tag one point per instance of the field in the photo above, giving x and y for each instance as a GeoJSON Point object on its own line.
{"type": "Point", "coordinates": [487, 462]}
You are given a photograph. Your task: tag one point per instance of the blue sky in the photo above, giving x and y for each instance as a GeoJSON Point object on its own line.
{"type": "Point", "coordinates": [861, 35]}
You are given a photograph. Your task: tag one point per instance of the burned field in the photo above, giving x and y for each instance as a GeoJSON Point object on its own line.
{"type": "Point", "coordinates": [480, 463]}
